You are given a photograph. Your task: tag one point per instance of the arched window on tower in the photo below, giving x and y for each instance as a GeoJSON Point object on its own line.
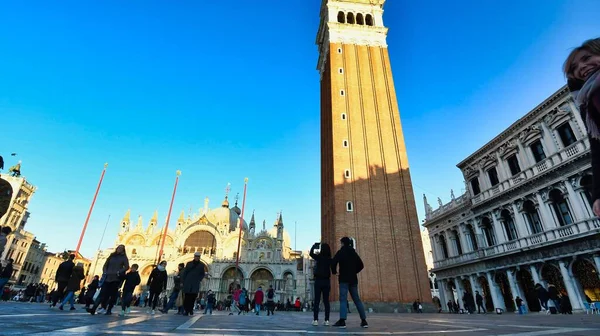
{"type": "Point", "coordinates": [509, 225]}
{"type": "Point", "coordinates": [533, 217]}
{"type": "Point", "coordinates": [369, 20]}
{"type": "Point", "coordinates": [350, 19]}
{"type": "Point", "coordinates": [360, 19]}
{"type": "Point", "coordinates": [561, 208]}
{"type": "Point", "coordinates": [341, 17]}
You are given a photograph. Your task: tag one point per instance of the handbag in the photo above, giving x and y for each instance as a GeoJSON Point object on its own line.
{"type": "Point", "coordinates": [97, 294]}
{"type": "Point", "coordinates": [179, 300]}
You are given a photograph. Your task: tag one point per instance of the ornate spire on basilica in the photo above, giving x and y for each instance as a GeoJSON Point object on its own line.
{"type": "Point", "coordinates": [235, 207]}
{"type": "Point", "coordinates": [181, 218]}
{"type": "Point", "coordinates": [125, 222]}
{"type": "Point", "coordinates": [252, 223]}
{"type": "Point", "coordinates": [140, 224]}
{"type": "Point", "coordinates": [205, 210]}
{"type": "Point", "coordinates": [153, 222]}
{"type": "Point", "coordinates": [280, 226]}
{"type": "Point", "coordinates": [225, 203]}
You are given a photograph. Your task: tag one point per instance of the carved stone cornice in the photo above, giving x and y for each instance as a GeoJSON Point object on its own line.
{"type": "Point", "coordinates": [532, 116]}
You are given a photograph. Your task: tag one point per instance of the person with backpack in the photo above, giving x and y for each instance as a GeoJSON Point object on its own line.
{"type": "Point", "coordinates": [270, 301]}
{"type": "Point", "coordinates": [350, 265]}
{"type": "Point", "coordinates": [321, 253]}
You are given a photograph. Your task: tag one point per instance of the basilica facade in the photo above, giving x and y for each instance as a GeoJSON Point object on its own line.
{"type": "Point", "coordinates": [266, 256]}
{"type": "Point", "coordinates": [526, 216]}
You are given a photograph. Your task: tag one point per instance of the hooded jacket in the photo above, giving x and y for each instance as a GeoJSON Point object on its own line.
{"type": "Point", "coordinates": [350, 265]}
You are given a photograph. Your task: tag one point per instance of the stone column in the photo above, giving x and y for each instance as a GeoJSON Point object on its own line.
{"type": "Point", "coordinates": [474, 284]}
{"type": "Point", "coordinates": [466, 248]}
{"type": "Point", "coordinates": [575, 202]}
{"type": "Point", "coordinates": [459, 292]}
{"type": "Point", "coordinates": [514, 287]}
{"type": "Point", "coordinates": [597, 263]}
{"type": "Point", "coordinates": [527, 159]}
{"type": "Point", "coordinates": [548, 140]}
{"type": "Point", "coordinates": [494, 292]}
{"type": "Point", "coordinates": [451, 241]}
{"type": "Point", "coordinates": [435, 249]}
{"type": "Point", "coordinates": [442, 287]}
{"type": "Point", "coordinates": [568, 279]}
{"type": "Point", "coordinates": [535, 275]}
{"type": "Point", "coordinates": [500, 236]}
{"type": "Point", "coordinates": [547, 218]}
{"type": "Point", "coordinates": [520, 222]}
{"type": "Point", "coordinates": [503, 172]}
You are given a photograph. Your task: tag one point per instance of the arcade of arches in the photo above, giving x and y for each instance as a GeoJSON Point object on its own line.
{"type": "Point", "coordinates": [578, 278]}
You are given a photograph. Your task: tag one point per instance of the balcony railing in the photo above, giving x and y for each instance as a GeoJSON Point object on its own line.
{"type": "Point", "coordinates": [581, 228]}
{"type": "Point", "coordinates": [555, 159]}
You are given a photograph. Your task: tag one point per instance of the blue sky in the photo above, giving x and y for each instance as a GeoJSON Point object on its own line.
{"type": "Point", "coordinates": [227, 90]}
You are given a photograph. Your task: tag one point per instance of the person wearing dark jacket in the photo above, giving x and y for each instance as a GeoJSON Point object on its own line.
{"type": "Point", "coordinates": [553, 295]}
{"type": "Point", "coordinates": [542, 295]}
{"type": "Point", "coordinates": [73, 285]}
{"type": "Point", "coordinates": [321, 253]}
{"type": "Point", "coordinates": [176, 290]}
{"type": "Point", "coordinates": [350, 265]}
{"type": "Point", "coordinates": [479, 300]}
{"type": "Point", "coordinates": [91, 291]}
{"type": "Point", "coordinates": [157, 282]}
{"type": "Point", "coordinates": [193, 273]}
{"type": "Point", "coordinates": [6, 273]}
{"type": "Point", "coordinates": [132, 279]}
{"type": "Point", "coordinates": [582, 69]}
{"type": "Point", "coordinates": [113, 273]}
{"type": "Point", "coordinates": [63, 274]}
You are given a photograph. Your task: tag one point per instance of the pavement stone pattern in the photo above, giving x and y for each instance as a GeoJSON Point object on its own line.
{"type": "Point", "coordinates": [38, 319]}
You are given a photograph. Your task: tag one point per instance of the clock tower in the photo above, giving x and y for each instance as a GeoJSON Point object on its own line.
{"type": "Point", "coordinates": [366, 190]}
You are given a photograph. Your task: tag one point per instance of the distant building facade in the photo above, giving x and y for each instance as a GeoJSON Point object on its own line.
{"type": "Point", "coordinates": [34, 263]}
{"type": "Point", "coordinates": [526, 217]}
{"type": "Point", "coordinates": [266, 256]}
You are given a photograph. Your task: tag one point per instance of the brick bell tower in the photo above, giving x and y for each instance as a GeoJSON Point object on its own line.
{"type": "Point", "coordinates": [366, 190]}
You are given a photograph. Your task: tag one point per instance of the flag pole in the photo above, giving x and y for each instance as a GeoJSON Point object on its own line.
{"type": "Point", "coordinates": [164, 236]}
{"type": "Point", "coordinates": [237, 260]}
{"type": "Point", "coordinates": [87, 219]}
{"type": "Point", "coordinates": [99, 246]}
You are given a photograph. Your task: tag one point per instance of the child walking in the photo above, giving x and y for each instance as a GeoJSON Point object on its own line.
{"type": "Point", "coordinates": [132, 279]}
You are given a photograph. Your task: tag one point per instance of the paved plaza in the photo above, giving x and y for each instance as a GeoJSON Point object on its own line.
{"type": "Point", "coordinates": [38, 319]}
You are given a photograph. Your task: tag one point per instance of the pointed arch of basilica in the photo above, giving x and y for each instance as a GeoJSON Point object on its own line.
{"type": "Point", "coordinates": [200, 241]}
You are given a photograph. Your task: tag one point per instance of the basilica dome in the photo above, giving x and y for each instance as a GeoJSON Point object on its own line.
{"type": "Point", "coordinates": [225, 215]}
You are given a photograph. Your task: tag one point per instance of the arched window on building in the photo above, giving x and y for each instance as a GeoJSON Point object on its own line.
{"type": "Point", "coordinates": [459, 249]}
{"type": "Point", "coordinates": [341, 17]}
{"type": "Point", "coordinates": [369, 20]}
{"type": "Point", "coordinates": [472, 237]}
{"type": "Point", "coordinates": [488, 231]}
{"type": "Point", "coordinates": [533, 217]}
{"type": "Point", "coordinates": [561, 208]}
{"type": "Point", "coordinates": [350, 19]}
{"type": "Point", "coordinates": [444, 246]}
{"type": "Point", "coordinates": [509, 225]}
{"type": "Point", "coordinates": [360, 19]}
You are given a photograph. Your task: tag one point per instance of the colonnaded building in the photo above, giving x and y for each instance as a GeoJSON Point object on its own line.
{"type": "Point", "coordinates": [266, 256]}
{"type": "Point", "coordinates": [526, 217]}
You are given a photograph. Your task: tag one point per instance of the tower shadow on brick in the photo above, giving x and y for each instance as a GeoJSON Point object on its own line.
{"type": "Point", "coordinates": [383, 220]}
